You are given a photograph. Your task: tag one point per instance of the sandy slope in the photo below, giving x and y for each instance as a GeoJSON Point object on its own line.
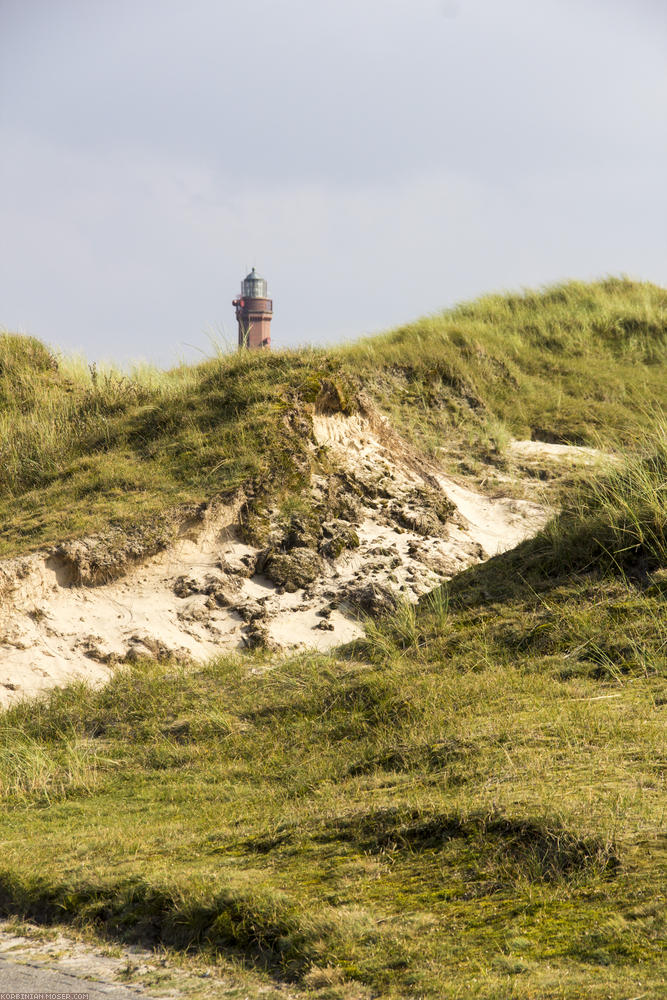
{"type": "Point", "coordinates": [52, 630]}
{"type": "Point", "coordinates": [544, 449]}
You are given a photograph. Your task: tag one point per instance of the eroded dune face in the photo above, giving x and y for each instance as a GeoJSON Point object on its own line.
{"type": "Point", "coordinates": [405, 528]}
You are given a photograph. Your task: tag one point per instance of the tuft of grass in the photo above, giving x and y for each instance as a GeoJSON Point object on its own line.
{"type": "Point", "coordinates": [620, 518]}
{"type": "Point", "coordinates": [30, 770]}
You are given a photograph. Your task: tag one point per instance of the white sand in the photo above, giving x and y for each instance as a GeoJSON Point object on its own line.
{"type": "Point", "coordinates": [496, 524]}
{"type": "Point", "coordinates": [544, 449]}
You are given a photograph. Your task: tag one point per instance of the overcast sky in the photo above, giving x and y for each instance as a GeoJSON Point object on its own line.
{"type": "Point", "coordinates": [374, 159]}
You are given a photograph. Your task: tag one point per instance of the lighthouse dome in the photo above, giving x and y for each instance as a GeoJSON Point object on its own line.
{"type": "Point", "coordinates": [253, 286]}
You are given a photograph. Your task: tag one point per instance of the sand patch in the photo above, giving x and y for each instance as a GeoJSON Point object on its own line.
{"type": "Point", "coordinates": [545, 449]}
{"type": "Point", "coordinates": [108, 966]}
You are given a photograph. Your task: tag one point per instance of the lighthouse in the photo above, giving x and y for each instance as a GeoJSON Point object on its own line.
{"type": "Point", "coordinates": [253, 312]}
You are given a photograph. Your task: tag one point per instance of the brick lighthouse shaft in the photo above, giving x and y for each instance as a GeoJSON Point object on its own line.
{"type": "Point", "coordinates": [254, 311]}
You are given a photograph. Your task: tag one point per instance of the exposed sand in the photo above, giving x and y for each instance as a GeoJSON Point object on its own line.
{"type": "Point", "coordinates": [495, 524]}
{"type": "Point", "coordinates": [544, 449]}
{"type": "Point", "coordinates": [52, 630]}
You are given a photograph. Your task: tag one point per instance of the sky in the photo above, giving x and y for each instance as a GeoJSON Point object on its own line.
{"type": "Point", "coordinates": [375, 160]}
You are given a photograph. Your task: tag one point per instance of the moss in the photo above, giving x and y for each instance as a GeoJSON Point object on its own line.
{"type": "Point", "coordinates": [292, 570]}
{"type": "Point", "coordinates": [104, 557]}
{"type": "Point", "coordinates": [339, 536]}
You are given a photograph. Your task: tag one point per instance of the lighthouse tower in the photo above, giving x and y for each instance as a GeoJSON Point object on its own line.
{"type": "Point", "coordinates": [253, 312]}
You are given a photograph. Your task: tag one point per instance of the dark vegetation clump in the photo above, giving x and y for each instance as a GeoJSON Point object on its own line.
{"type": "Point", "coordinates": [101, 558]}
{"type": "Point", "coordinates": [337, 536]}
{"type": "Point", "coordinates": [259, 926]}
{"type": "Point", "coordinates": [295, 542]}
{"type": "Point", "coordinates": [528, 847]}
{"type": "Point", "coordinates": [372, 598]}
{"type": "Point", "coordinates": [292, 570]}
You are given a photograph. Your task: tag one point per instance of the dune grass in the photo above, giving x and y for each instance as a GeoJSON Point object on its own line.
{"type": "Point", "coordinates": [415, 825]}
{"type": "Point", "coordinates": [573, 363]}
{"type": "Point", "coordinates": [80, 448]}
{"type": "Point", "coordinates": [81, 451]}
{"type": "Point", "coordinates": [468, 802]}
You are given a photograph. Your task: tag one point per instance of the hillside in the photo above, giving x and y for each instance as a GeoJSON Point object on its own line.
{"type": "Point", "coordinates": [579, 364]}
{"type": "Point", "coordinates": [466, 797]}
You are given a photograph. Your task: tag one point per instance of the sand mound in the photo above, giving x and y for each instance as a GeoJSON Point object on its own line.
{"type": "Point", "coordinates": [203, 594]}
{"type": "Point", "coordinates": [546, 449]}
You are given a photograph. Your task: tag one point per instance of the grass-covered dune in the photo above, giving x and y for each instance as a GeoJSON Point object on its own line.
{"type": "Point", "coordinates": [80, 448]}
{"type": "Point", "coordinates": [468, 803]}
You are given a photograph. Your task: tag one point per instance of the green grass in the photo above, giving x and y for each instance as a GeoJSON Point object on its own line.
{"type": "Point", "coordinates": [575, 363]}
{"type": "Point", "coordinates": [411, 826]}
{"type": "Point", "coordinates": [469, 802]}
{"type": "Point", "coordinates": [79, 453]}
{"type": "Point", "coordinates": [82, 448]}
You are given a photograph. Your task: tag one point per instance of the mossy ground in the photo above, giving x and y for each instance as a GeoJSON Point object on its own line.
{"type": "Point", "coordinates": [470, 802]}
